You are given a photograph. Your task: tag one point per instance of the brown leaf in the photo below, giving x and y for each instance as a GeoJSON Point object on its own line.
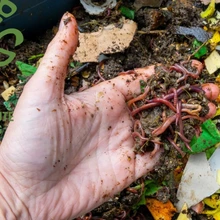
{"type": "Point", "coordinates": [108, 40]}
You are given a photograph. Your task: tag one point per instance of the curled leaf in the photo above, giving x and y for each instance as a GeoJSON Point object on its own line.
{"type": "Point", "coordinates": [209, 11]}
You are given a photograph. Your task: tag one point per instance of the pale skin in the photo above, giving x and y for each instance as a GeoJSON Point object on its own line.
{"type": "Point", "coordinates": [63, 155]}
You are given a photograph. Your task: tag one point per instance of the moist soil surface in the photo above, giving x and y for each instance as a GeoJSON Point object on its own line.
{"type": "Point", "coordinates": [155, 42]}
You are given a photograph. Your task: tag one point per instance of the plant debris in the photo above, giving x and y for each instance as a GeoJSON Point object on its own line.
{"type": "Point", "coordinates": [107, 40]}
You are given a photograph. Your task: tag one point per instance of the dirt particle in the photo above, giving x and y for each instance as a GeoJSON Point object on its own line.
{"type": "Point", "coordinates": [105, 195]}
{"type": "Point", "coordinates": [65, 41]}
{"type": "Point", "coordinates": [38, 109]}
{"type": "Point", "coordinates": [66, 21]}
{"type": "Point", "coordinates": [109, 127]}
{"type": "Point", "coordinates": [129, 158]}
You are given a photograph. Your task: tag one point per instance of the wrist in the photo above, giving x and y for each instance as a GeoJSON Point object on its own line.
{"type": "Point", "coordinates": [11, 207]}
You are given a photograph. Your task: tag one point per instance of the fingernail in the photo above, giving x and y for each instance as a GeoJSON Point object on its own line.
{"type": "Point", "coordinates": [64, 21]}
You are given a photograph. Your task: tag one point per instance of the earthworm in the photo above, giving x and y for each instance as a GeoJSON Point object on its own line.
{"type": "Point", "coordinates": [194, 117]}
{"type": "Point", "coordinates": [144, 107]}
{"type": "Point", "coordinates": [164, 126]}
{"type": "Point", "coordinates": [140, 97]}
{"type": "Point", "coordinates": [187, 108]}
{"type": "Point", "coordinates": [163, 101]}
{"type": "Point", "coordinates": [177, 147]}
{"type": "Point", "coordinates": [175, 96]}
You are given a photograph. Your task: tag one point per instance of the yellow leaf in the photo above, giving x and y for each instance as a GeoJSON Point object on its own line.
{"type": "Point", "coordinates": [184, 213]}
{"type": "Point", "coordinates": [160, 210]}
{"type": "Point", "coordinates": [209, 11]}
{"type": "Point", "coordinates": [215, 39]}
{"type": "Point", "coordinates": [213, 201]}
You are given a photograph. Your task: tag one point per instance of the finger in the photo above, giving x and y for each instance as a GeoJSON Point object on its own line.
{"type": "Point", "coordinates": [129, 84]}
{"type": "Point", "coordinates": [48, 81]}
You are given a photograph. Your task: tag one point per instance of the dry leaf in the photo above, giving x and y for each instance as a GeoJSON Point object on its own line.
{"type": "Point", "coordinates": [108, 40]}
{"type": "Point", "coordinates": [160, 210]}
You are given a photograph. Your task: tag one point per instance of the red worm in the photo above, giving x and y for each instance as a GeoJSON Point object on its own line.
{"type": "Point", "coordinates": [183, 137]}
{"type": "Point", "coordinates": [136, 134]}
{"type": "Point", "coordinates": [179, 91]}
{"type": "Point", "coordinates": [140, 97]}
{"type": "Point", "coordinates": [177, 147]}
{"type": "Point", "coordinates": [164, 126]}
{"type": "Point", "coordinates": [144, 107]}
{"type": "Point", "coordinates": [194, 117]}
{"type": "Point", "coordinates": [163, 101]}
{"type": "Point", "coordinates": [175, 96]}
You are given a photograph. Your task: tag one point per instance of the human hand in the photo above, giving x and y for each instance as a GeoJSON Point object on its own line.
{"type": "Point", "coordinates": [63, 155]}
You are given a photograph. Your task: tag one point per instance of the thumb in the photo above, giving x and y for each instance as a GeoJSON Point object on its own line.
{"type": "Point", "coordinates": [48, 81]}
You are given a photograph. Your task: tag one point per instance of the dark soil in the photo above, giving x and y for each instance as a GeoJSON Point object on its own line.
{"type": "Point", "coordinates": [155, 42]}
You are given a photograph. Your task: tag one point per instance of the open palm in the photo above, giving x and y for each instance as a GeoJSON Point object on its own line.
{"type": "Point", "coordinates": [65, 155]}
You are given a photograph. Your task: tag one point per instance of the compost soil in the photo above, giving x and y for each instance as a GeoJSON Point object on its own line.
{"type": "Point", "coordinates": [155, 42]}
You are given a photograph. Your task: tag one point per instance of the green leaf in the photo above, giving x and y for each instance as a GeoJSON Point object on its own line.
{"type": "Point", "coordinates": [127, 12]}
{"type": "Point", "coordinates": [26, 69]}
{"type": "Point", "coordinates": [208, 138]}
{"type": "Point", "coordinates": [150, 189]}
{"type": "Point", "coordinates": [202, 51]}
{"type": "Point", "coordinates": [75, 64]}
{"type": "Point", "coordinates": [22, 78]}
{"type": "Point", "coordinates": [11, 103]}
{"type": "Point", "coordinates": [142, 85]}
{"type": "Point", "coordinates": [210, 151]}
